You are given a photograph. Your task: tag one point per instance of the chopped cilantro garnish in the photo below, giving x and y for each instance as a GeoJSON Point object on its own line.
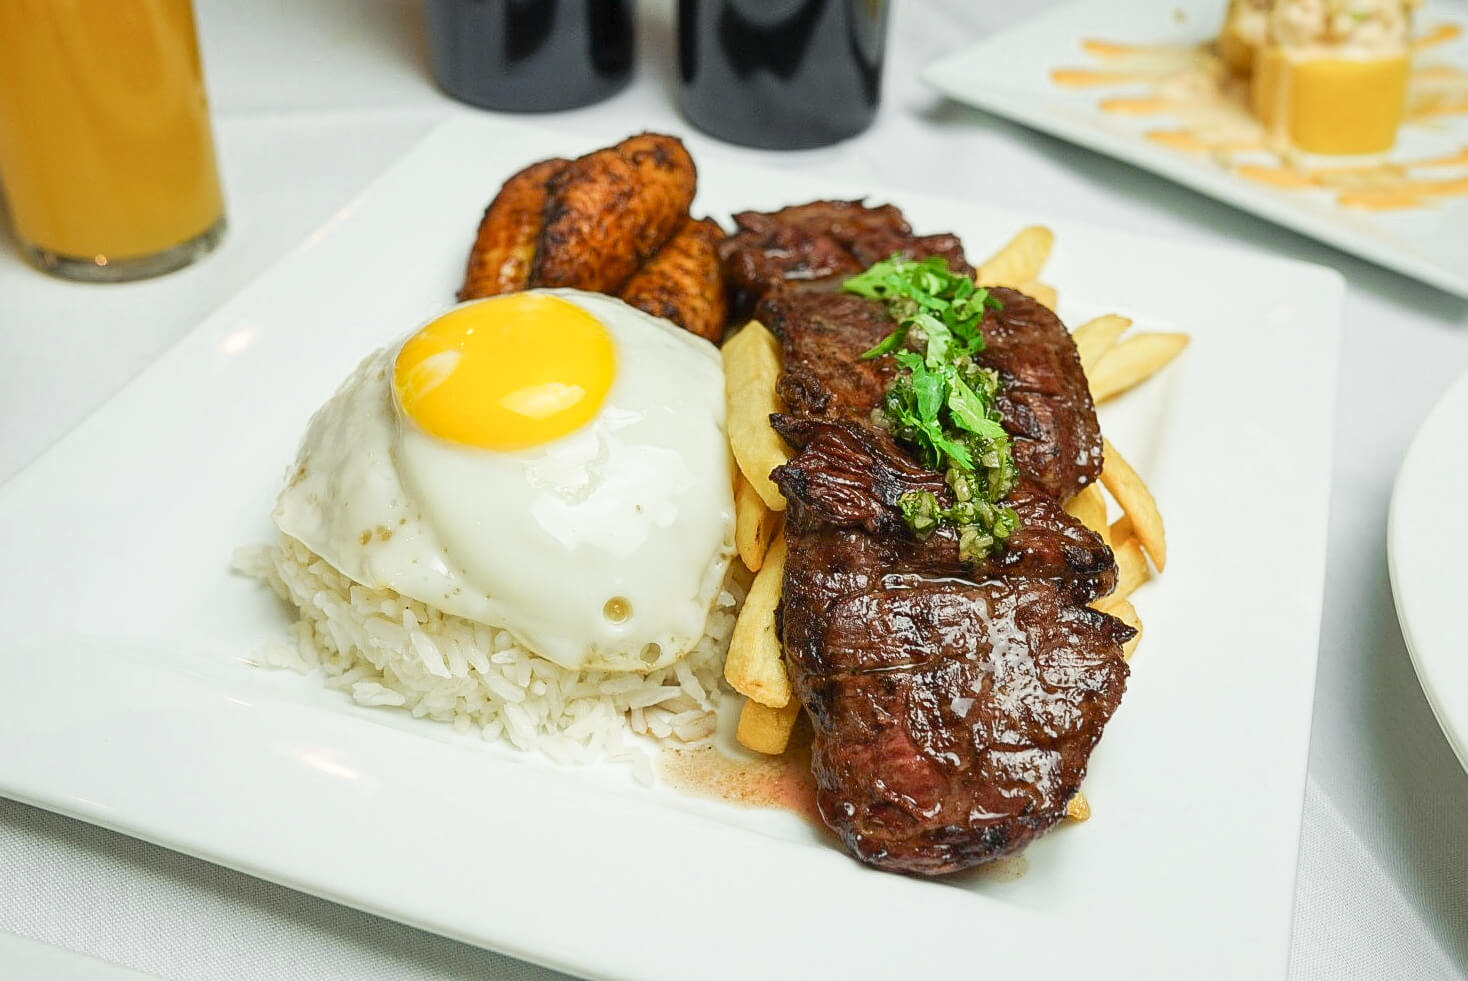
{"type": "Point", "coordinates": [940, 401]}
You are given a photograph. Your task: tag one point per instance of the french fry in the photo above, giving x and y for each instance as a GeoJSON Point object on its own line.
{"type": "Point", "coordinates": [1043, 292]}
{"type": "Point", "coordinates": [1020, 260]}
{"type": "Point", "coordinates": [1123, 610]}
{"type": "Point", "coordinates": [1078, 808]}
{"type": "Point", "coordinates": [1131, 568]}
{"type": "Point", "coordinates": [1089, 508]}
{"type": "Point", "coordinates": [1136, 501]}
{"type": "Point", "coordinates": [1096, 336]}
{"type": "Point", "coordinates": [1132, 362]}
{"type": "Point", "coordinates": [754, 524]}
{"type": "Point", "coordinates": [764, 729]}
{"type": "Point", "coordinates": [751, 369]}
{"type": "Point", "coordinates": [753, 665]}
{"type": "Point", "coordinates": [1121, 529]}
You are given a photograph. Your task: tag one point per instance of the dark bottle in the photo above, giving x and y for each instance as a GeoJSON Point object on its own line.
{"type": "Point", "coordinates": [530, 55]}
{"type": "Point", "coordinates": [781, 74]}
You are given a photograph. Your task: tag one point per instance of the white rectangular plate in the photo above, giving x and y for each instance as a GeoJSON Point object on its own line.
{"type": "Point", "coordinates": [132, 703]}
{"type": "Point", "coordinates": [1009, 74]}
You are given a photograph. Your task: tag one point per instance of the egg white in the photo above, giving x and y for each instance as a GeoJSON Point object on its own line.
{"type": "Point", "coordinates": [634, 507]}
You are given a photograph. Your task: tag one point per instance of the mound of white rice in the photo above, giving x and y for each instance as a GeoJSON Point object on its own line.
{"type": "Point", "coordinates": [387, 650]}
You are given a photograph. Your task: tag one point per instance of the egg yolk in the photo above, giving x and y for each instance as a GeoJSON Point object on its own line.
{"type": "Point", "coordinates": [506, 373]}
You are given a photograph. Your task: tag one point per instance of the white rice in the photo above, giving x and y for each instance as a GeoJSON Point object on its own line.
{"type": "Point", "coordinates": [384, 649]}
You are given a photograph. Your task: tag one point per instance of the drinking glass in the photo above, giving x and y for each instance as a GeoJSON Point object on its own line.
{"type": "Point", "coordinates": [106, 154]}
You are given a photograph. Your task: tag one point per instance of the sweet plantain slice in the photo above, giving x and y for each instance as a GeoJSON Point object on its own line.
{"type": "Point", "coordinates": [611, 210]}
{"type": "Point", "coordinates": [684, 281]}
{"type": "Point", "coordinates": [504, 249]}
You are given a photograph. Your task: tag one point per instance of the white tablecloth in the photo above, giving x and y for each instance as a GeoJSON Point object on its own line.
{"type": "Point", "coordinates": [312, 99]}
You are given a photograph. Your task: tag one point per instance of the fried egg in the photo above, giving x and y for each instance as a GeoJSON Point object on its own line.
{"type": "Point", "coordinates": [553, 463]}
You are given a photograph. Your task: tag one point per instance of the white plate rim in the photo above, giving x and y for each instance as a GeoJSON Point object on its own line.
{"type": "Point", "coordinates": [1424, 481]}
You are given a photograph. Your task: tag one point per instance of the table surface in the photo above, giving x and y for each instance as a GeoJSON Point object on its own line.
{"type": "Point", "coordinates": [313, 99]}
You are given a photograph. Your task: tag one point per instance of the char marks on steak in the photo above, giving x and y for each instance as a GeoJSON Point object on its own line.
{"type": "Point", "coordinates": [846, 476]}
{"type": "Point", "coordinates": [953, 719]}
{"type": "Point", "coordinates": [1044, 400]}
{"type": "Point", "coordinates": [955, 706]}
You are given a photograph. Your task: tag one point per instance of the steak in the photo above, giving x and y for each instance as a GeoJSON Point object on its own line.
{"type": "Point", "coordinates": [823, 241]}
{"type": "Point", "coordinates": [845, 476]}
{"type": "Point", "coordinates": [955, 705]}
{"type": "Point", "coordinates": [953, 719]}
{"type": "Point", "coordinates": [1044, 401]}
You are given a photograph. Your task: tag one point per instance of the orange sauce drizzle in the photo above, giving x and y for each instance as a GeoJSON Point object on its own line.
{"type": "Point", "coordinates": [1188, 84]}
{"type": "Point", "coordinates": [1108, 50]}
{"type": "Point", "coordinates": [1187, 141]}
{"type": "Point", "coordinates": [1149, 106]}
{"type": "Point", "coordinates": [1437, 73]}
{"type": "Point", "coordinates": [1429, 108]}
{"type": "Point", "coordinates": [1459, 159]}
{"type": "Point", "coordinates": [1372, 187]}
{"type": "Point", "coordinates": [1441, 34]}
{"type": "Point", "coordinates": [1086, 78]}
{"type": "Point", "coordinates": [1285, 177]}
{"type": "Point", "coordinates": [1412, 194]}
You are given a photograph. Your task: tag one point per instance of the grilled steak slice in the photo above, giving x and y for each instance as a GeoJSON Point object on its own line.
{"type": "Point", "coordinates": [843, 221]}
{"type": "Point", "coordinates": [1044, 398]}
{"type": "Point", "coordinates": [820, 243]}
{"type": "Point", "coordinates": [955, 707]}
{"type": "Point", "coordinates": [849, 477]}
{"type": "Point", "coordinates": [869, 234]}
{"type": "Point", "coordinates": [952, 720]}
{"type": "Point", "coordinates": [822, 336]}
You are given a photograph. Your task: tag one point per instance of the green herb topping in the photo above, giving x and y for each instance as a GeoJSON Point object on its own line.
{"type": "Point", "coordinates": [941, 402]}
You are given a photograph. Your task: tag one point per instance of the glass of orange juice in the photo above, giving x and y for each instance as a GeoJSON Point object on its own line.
{"type": "Point", "coordinates": [106, 155]}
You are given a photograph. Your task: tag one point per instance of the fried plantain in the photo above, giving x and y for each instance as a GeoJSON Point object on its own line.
{"type": "Point", "coordinates": [684, 281]}
{"type": "Point", "coordinates": [611, 210]}
{"type": "Point", "coordinates": [504, 249]}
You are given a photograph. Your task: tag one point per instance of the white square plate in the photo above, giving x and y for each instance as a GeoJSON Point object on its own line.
{"type": "Point", "coordinates": [1010, 74]}
{"type": "Point", "coordinates": [131, 702]}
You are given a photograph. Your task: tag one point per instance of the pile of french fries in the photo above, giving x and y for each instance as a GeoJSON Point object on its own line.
{"type": "Point", "coordinates": [1113, 363]}
{"type": "Point", "coordinates": [754, 666]}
